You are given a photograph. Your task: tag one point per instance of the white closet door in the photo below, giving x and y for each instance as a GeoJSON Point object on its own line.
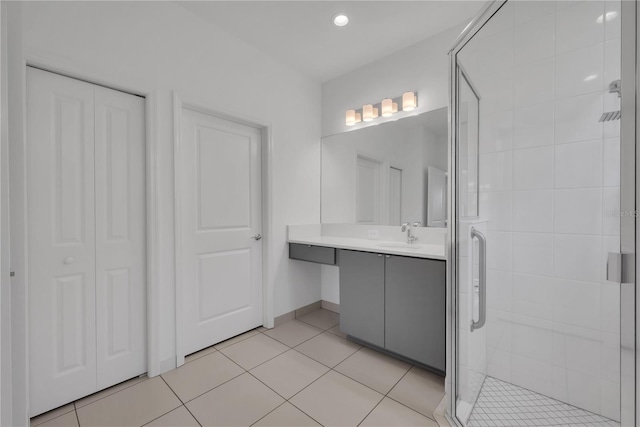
{"type": "Point", "coordinates": [61, 239]}
{"type": "Point", "coordinates": [221, 268]}
{"type": "Point", "coordinates": [120, 236]}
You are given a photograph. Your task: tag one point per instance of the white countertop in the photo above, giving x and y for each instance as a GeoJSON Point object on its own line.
{"type": "Point", "coordinates": [417, 249]}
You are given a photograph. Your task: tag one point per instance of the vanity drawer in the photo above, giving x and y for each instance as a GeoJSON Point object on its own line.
{"type": "Point", "coordinates": [318, 254]}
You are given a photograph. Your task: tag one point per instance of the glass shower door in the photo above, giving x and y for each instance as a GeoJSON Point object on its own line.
{"type": "Point", "coordinates": [542, 184]}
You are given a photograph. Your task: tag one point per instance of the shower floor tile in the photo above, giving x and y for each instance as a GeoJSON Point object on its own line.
{"type": "Point", "coordinates": [504, 404]}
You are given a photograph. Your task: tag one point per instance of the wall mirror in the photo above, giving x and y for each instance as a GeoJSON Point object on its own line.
{"type": "Point", "coordinates": [387, 174]}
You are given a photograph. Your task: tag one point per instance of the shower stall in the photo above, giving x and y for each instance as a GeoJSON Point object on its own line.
{"type": "Point", "coordinates": [543, 216]}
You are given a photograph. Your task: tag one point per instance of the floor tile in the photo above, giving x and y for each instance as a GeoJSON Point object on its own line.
{"type": "Point", "coordinates": [236, 339]}
{"type": "Point", "coordinates": [293, 333]}
{"type": "Point", "coordinates": [70, 419]}
{"type": "Point", "coordinates": [262, 329]}
{"type": "Point", "coordinates": [419, 390]}
{"type": "Point", "coordinates": [328, 349]}
{"type": "Point", "coordinates": [336, 400]}
{"type": "Point", "coordinates": [254, 351]}
{"type": "Point", "coordinates": [54, 413]}
{"type": "Point", "coordinates": [289, 373]}
{"type": "Point", "coordinates": [373, 369]}
{"type": "Point", "coordinates": [336, 331]}
{"type": "Point", "coordinates": [323, 319]}
{"type": "Point", "coordinates": [133, 406]}
{"type": "Point", "coordinates": [390, 413]}
{"type": "Point", "coordinates": [240, 402]}
{"type": "Point", "coordinates": [106, 392]}
{"type": "Point", "coordinates": [286, 415]}
{"type": "Point", "coordinates": [193, 379]}
{"type": "Point", "coordinates": [500, 402]}
{"type": "Point", "coordinates": [179, 417]}
{"type": "Point", "coordinates": [199, 354]}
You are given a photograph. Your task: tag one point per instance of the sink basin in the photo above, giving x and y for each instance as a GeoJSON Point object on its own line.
{"type": "Point", "coordinates": [400, 245]}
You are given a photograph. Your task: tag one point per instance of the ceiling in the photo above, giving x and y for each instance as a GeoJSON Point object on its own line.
{"type": "Point", "coordinates": [301, 34]}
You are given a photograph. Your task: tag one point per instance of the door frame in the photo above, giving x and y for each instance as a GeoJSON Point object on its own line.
{"type": "Point", "coordinates": [179, 103]}
{"type": "Point", "coordinates": [19, 227]}
{"type": "Point", "coordinates": [630, 193]}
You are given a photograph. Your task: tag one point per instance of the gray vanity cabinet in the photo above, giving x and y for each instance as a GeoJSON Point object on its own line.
{"type": "Point", "coordinates": [415, 304]}
{"type": "Point", "coordinates": [396, 303]}
{"type": "Point", "coordinates": [362, 296]}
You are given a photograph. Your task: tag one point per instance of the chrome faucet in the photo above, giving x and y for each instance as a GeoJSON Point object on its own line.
{"type": "Point", "coordinates": [410, 237]}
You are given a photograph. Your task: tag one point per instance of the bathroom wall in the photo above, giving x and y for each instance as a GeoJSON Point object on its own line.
{"type": "Point", "coordinates": [549, 175]}
{"type": "Point", "coordinates": [159, 48]}
{"type": "Point", "coordinates": [422, 68]}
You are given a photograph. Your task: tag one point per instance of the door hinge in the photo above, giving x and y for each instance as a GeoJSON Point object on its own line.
{"type": "Point", "coordinates": [620, 268]}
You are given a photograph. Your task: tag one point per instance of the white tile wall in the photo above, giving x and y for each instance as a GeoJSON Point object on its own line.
{"type": "Point", "coordinates": [533, 169]}
{"type": "Point", "coordinates": [579, 165]}
{"type": "Point", "coordinates": [549, 172]}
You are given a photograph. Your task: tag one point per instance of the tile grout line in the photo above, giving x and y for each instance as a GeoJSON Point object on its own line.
{"type": "Point", "coordinates": [75, 410]}
{"type": "Point", "coordinates": [110, 394]}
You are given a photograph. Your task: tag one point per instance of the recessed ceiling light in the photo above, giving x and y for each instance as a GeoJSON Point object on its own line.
{"type": "Point", "coordinates": [340, 20]}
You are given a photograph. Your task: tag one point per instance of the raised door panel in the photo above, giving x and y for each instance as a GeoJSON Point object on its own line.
{"type": "Point", "coordinates": [362, 296]}
{"type": "Point", "coordinates": [120, 236]}
{"type": "Point", "coordinates": [415, 309]}
{"type": "Point", "coordinates": [61, 240]}
{"type": "Point", "coordinates": [220, 207]}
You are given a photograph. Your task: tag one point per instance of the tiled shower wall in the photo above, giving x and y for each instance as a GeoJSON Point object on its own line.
{"type": "Point", "coordinates": [549, 179]}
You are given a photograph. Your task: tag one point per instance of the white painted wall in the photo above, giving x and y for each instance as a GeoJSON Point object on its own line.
{"type": "Point", "coordinates": [156, 48]}
{"type": "Point", "coordinates": [423, 68]}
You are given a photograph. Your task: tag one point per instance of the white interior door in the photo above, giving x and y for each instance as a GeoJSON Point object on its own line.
{"type": "Point", "coordinates": [86, 238]}
{"type": "Point", "coordinates": [395, 196]}
{"type": "Point", "coordinates": [61, 240]}
{"type": "Point", "coordinates": [436, 198]}
{"type": "Point", "coordinates": [120, 236]}
{"type": "Point", "coordinates": [367, 191]}
{"type": "Point", "coordinates": [221, 210]}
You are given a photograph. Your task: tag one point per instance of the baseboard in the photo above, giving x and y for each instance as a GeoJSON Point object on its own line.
{"type": "Point", "coordinates": [284, 318]}
{"type": "Point", "coordinates": [302, 311]}
{"type": "Point", "coordinates": [308, 308]}
{"type": "Point", "coordinates": [331, 306]}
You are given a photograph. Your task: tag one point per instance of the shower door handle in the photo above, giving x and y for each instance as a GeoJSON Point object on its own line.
{"type": "Point", "coordinates": [482, 253]}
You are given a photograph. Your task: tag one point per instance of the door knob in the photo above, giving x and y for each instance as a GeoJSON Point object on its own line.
{"type": "Point", "coordinates": [69, 260]}
{"type": "Point", "coordinates": [257, 237]}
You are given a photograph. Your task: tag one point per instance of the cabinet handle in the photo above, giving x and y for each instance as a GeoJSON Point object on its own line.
{"type": "Point", "coordinates": [482, 252]}
{"type": "Point", "coordinates": [379, 254]}
{"type": "Point", "coordinates": [388, 256]}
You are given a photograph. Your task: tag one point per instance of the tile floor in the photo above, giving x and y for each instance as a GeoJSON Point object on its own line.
{"type": "Point", "coordinates": [302, 373]}
{"type": "Point", "coordinates": [504, 404]}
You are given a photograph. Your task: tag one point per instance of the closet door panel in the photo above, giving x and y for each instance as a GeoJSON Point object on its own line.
{"type": "Point", "coordinates": [120, 236]}
{"type": "Point", "coordinates": [60, 239]}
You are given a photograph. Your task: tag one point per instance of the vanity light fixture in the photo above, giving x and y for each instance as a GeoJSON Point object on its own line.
{"type": "Point", "coordinates": [386, 108]}
{"type": "Point", "coordinates": [353, 117]}
{"type": "Point", "coordinates": [409, 101]}
{"type": "Point", "coordinates": [369, 112]}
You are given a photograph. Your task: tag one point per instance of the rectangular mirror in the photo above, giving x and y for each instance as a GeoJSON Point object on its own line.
{"type": "Point", "coordinates": [387, 174]}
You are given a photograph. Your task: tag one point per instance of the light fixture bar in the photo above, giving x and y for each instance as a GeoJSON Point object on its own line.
{"type": "Point", "coordinates": [385, 108]}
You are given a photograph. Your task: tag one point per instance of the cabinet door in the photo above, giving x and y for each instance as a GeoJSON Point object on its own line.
{"type": "Point", "coordinates": [362, 296]}
{"type": "Point", "coordinates": [415, 304]}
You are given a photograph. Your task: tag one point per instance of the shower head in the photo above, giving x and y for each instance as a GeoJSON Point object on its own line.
{"type": "Point", "coordinates": [610, 116]}
{"type": "Point", "coordinates": [614, 87]}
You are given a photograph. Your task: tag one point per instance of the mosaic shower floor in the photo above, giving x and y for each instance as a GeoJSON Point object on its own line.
{"type": "Point", "coordinates": [504, 404]}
